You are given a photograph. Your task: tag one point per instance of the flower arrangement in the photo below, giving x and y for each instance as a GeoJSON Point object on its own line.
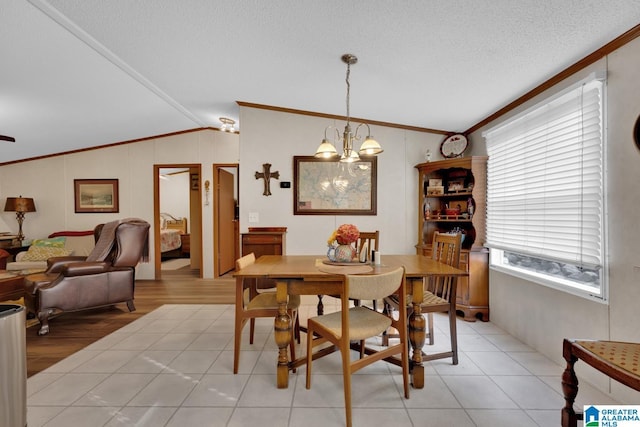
{"type": "Point", "coordinates": [344, 235]}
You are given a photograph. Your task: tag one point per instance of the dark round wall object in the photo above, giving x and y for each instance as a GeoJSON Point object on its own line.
{"type": "Point", "coordinates": [636, 132]}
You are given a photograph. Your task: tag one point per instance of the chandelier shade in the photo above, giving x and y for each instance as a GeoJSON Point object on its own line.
{"type": "Point", "coordinates": [370, 147]}
{"type": "Point", "coordinates": [326, 150]}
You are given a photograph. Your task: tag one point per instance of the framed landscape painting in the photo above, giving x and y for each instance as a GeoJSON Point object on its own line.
{"type": "Point", "coordinates": [96, 195]}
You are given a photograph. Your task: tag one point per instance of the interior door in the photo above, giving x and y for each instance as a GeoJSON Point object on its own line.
{"type": "Point", "coordinates": [226, 221]}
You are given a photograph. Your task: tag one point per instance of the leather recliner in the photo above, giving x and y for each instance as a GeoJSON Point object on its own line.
{"type": "Point", "coordinates": [105, 277]}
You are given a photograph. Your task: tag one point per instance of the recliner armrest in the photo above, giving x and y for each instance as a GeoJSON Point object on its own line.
{"type": "Point", "coordinates": [55, 264]}
{"type": "Point", "coordinates": [85, 268]}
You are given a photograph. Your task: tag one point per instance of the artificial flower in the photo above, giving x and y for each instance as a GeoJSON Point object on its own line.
{"type": "Point", "coordinates": [332, 238]}
{"type": "Point", "coordinates": [344, 235]}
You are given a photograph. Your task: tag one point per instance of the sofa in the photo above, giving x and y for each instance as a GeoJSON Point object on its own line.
{"type": "Point", "coordinates": [60, 243]}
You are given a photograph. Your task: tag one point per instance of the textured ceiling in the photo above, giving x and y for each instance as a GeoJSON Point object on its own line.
{"type": "Point", "coordinates": [79, 73]}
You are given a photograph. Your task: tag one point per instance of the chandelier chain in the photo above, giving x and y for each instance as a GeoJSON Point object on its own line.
{"type": "Point", "coordinates": [348, 90]}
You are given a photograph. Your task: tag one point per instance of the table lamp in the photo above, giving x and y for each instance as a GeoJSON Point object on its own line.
{"type": "Point", "coordinates": [19, 205]}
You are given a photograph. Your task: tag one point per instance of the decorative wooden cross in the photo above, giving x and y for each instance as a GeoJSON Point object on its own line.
{"type": "Point", "coordinates": [266, 174]}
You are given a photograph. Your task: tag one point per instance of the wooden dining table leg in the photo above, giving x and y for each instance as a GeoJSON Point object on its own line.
{"type": "Point", "coordinates": [417, 333]}
{"type": "Point", "coordinates": [283, 334]}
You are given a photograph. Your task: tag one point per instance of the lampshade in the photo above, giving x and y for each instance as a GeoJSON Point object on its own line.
{"type": "Point", "coordinates": [326, 150]}
{"type": "Point", "coordinates": [370, 147]}
{"type": "Point", "coordinates": [19, 204]}
{"type": "Point", "coordinates": [352, 157]}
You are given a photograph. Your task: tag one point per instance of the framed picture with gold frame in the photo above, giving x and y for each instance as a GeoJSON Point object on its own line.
{"type": "Point", "coordinates": [96, 195]}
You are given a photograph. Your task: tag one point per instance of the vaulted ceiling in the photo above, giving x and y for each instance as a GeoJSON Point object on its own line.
{"type": "Point", "coordinates": [82, 73]}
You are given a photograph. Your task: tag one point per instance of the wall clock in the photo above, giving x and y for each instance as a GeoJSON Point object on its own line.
{"type": "Point", "coordinates": [636, 132]}
{"type": "Point", "coordinates": [453, 145]}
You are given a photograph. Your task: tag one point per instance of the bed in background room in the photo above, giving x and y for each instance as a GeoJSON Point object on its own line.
{"type": "Point", "coordinates": [171, 235]}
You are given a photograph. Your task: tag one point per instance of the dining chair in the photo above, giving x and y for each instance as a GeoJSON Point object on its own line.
{"type": "Point", "coordinates": [359, 323]}
{"type": "Point", "coordinates": [368, 241]}
{"type": "Point", "coordinates": [255, 304]}
{"type": "Point", "coordinates": [439, 295]}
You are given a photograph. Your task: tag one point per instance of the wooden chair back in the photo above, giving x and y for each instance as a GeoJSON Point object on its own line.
{"type": "Point", "coordinates": [245, 261]}
{"type": "Point", "coordinates": [368, 241]}
{"type": "Point", "coordinates": [376, 286]}
{"type": "Point", "coordinates": [445, 249]}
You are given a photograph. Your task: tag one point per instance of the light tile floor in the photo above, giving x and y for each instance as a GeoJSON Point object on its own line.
{"type": "Point", "coordinates": [173, 367]}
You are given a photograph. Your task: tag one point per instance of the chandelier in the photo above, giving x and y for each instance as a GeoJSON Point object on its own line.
{"type": "Point", "coordinates": [369, 147]}
{"type": "Point", "coordinates": [227, 124]}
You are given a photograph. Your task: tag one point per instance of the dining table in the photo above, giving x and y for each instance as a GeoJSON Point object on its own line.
{"type": "Point", "coordinates": [315, 275]}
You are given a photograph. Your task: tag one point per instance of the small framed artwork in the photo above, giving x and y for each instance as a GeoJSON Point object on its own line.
{"type": "Point", "coordinates": [96, 195]}
{"type": "Point", "coordinates": [461, 205]}
{"type": "Point", "coordinates": [435, 191]}
{"type": "Point", "coordinates": [195, 181]}
{"type": "Point", "coordinates": [456, 185]}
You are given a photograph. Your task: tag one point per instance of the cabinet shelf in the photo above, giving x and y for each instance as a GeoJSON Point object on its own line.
{"type": "Point", "coordinates": [449, 218]}
{"type": "Point", "coordinates": [449, 195]}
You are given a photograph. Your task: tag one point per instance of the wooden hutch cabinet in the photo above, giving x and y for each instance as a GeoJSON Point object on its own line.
{"type": "Point", "coordinates": [452, 198]}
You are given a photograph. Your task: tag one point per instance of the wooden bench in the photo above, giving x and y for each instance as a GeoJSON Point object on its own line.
{"type": "Point", "coordinates": [618, 360]}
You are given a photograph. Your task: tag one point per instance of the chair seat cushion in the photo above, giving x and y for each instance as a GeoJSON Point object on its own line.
{"type": "Point", "coordinates": [363, 323]}
{"type": "Point", "coordinates": [268, 300]}
{"type": "Point", "coordinates": [431, 299]}
{"type": "Point", "coordinates": [622, 355]}
{"type": "Point", "coordinates": [427, 299]}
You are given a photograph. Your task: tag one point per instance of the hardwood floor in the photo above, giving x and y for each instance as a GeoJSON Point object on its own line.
{"type": "Point", "coordinates": [71, 332]}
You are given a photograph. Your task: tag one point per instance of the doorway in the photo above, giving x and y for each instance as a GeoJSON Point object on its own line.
{"type": "Point", "coordinates": [178, 220]}
{"type": "Point", "coordinates": [226, 246]}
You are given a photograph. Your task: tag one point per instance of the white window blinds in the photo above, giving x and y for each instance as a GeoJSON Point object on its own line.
{"type": "Point", "coordinates": [545, 180]}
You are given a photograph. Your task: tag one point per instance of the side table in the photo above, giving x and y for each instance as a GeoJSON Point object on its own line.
{"type": "Point", "coordinates": [11, 286]}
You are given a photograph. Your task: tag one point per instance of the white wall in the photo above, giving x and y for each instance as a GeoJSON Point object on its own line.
{"type": "Point", "coordinates": [541, 317]}
{"type": "Point", "coordinates": [50, 182]}
{"type": "Point", "coordinates": [275, 137]}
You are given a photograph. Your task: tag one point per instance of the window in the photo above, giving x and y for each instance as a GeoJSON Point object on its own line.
{"type": "Point", "coordinates": [545, 198]}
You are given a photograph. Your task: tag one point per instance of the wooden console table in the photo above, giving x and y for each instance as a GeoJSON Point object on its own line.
{"type": "Point", "coordinates": [618, 360]}
{"type": "Point", "coordinates": [264, 241]}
